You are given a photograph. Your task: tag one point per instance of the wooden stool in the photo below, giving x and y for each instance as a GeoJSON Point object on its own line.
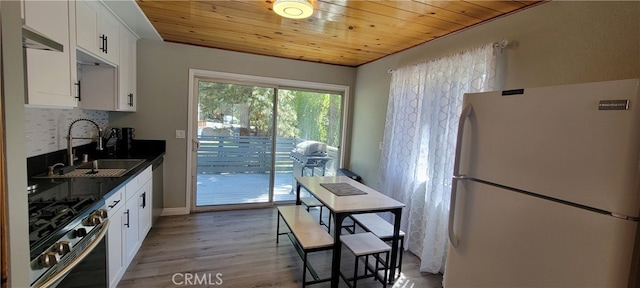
{"type": "Point", "coordinates": [366, 244]}
{"type": "Point", "coordinates": [373, 223]}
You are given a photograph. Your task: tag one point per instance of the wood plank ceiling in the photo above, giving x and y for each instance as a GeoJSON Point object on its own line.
{"type": "Point", "coordinates": [342, 32]}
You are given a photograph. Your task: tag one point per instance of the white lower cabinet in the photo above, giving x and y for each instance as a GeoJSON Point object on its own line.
{"type": "Point", "coordinates": [115, 210]}
{"type": "Point", "coordinates": [130, 223]}
{"type": "Point", "coordinates": [114, 238]}
{"type": "Point", "coordinates": [144, 210]}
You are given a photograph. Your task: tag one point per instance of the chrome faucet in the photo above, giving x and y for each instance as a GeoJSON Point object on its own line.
{"type": "Point", "coordinates": [70, 138]}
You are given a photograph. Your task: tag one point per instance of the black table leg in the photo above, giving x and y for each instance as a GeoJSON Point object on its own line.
{"type": "Point", "coordinates": [337, 247]}
{"type": "Point", "coordinates": [397, 214]}
{"type": "Point", "coordinates": [298, 202]}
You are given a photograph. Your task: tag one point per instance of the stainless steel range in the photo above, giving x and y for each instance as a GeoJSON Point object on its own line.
{"type": "Point", "coordinates": [45, 216]}
{"type": "Point", "coordinates": [67, 225]}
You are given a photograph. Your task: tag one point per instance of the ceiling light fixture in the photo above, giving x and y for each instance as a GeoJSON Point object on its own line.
{"type": "Point", "coordinates": [294, 9]}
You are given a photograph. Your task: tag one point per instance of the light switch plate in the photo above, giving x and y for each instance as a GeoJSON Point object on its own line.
{"type": "Point", "coordinates": [180, 134]}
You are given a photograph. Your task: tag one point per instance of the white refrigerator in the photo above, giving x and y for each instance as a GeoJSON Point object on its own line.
{"type": "Point", "coordinates": [546, 188]}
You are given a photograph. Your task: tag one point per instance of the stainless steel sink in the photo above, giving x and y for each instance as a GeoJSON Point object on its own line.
{"type": "Point", "coordinates": [100, 168]}
{"type": "Point", "coordinates": [126, 164]}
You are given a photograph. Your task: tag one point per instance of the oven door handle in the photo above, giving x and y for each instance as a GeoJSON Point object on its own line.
{"type": "Point", "coordinates": [64, 271]}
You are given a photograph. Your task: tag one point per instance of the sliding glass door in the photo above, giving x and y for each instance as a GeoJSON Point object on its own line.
{"type": "Point", "coordinates": [235, 131]}
{"type": "Point", "coordinates": [308, 125]}
{"type": "Point", "coordinates": [248, 136]}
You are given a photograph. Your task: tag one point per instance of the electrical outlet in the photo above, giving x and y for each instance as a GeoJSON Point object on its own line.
{"type": "Point", "coordinates": [180, 134]}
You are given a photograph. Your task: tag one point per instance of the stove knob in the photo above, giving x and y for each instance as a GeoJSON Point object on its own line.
{"type": "Point", "coordinates": [81, 232]}
{"type": "Point", "coordinates": [48, 259]}
{"type": "Point", "coordinates": [63, 247]}
{"type": "Point", "coordinates": [102, 213]}
{"type": "Point", "coordinates": [93, 220]}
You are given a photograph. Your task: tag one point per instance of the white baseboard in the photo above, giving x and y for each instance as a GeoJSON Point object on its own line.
{"type": "Point", "coordinates": [175, 211]}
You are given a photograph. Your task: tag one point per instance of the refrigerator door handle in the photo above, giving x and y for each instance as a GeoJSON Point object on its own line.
{"type": "Point", "coordinates": [453, 238]}
{"type": "Point", "coordinates": [466, 112]}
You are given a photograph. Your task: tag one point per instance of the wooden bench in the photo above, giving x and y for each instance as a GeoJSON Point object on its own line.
{"type": "Point", "coordinates": [306, 235]}
{"type": "Point", "coordinates": [375, 224]}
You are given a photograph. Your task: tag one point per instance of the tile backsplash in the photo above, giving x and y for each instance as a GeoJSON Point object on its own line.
{"type": "Point", "coordinates": [47, 129]}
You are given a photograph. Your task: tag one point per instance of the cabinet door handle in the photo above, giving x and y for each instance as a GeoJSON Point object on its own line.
{"type": "Point", "coordinates": [130, 99]}
{"type": "Point", "coordinates": [144, 200]}
{"type": "Point", "coordinates": [79, 96]}
{"type": "Point", "coordinates": [114, 204]}
{"type": "Point", "coordinates": [127, 224]}
{"type": "Point", "coordinates": [106, 44]}
{"type": "Point", "coordinates": [102, 37]}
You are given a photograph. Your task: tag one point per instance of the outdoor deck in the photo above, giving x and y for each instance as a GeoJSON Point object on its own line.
{"type": "Point", "coordinates": [236, 170]}
{"type": "Point", "coordinates": [242, 188]}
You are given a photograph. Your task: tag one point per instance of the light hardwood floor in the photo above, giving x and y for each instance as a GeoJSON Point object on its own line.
{"type": "Point", "coordinates": [237, 249]}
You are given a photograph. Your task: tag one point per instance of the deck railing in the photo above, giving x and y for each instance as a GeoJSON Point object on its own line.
{"type": "Point", "coordinates": [243, 154]}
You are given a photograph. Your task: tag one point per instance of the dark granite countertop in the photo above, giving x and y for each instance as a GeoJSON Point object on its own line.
{"type": "Point", "coordinates": [93, 190]}
{"type": "Point", "coordinates": [99, 187]}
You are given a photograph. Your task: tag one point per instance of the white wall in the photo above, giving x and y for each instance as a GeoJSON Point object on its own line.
{"type": "Point", "coordinates": [558, 42]}
{"type": "Point", "coordinates": [163, 70]}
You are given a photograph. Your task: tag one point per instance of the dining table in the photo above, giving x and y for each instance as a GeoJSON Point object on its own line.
{"type": "Point", "coordinates": [344, 197]}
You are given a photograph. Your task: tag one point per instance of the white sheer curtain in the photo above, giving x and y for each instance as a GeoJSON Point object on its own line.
{"type": "Point", "coordinates": [416, 164]}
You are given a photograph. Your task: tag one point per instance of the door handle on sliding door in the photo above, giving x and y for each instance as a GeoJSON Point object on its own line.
{"type": "Point", "coordinates": [196, 145]}
{"type": "Point", "coordinates": [466, 113]}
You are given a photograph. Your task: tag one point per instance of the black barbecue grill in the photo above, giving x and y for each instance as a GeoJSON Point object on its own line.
{"type": "Point", "coordinates": [311, 155]}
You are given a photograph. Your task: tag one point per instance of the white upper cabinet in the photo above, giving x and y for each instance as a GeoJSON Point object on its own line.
{"type": "Point", "coordinates": [97, 68]}
{"type": "Point", "coordinates": [87, 25]}
{"type": "Point", "coordinates": [107, 59]}
{"type": "Point", "coordinates": [110, 27]}
{"type": "Point", "coordinates": [127, 71]}
{"type": "Point", "coordinates": [109, 88]}
{"type": "Point", "coordinates": [51, 75]}
{"type": "Point", "coordinates": [97, 31]}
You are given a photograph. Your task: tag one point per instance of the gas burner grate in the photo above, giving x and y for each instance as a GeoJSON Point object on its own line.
{"type": "Point", "coordinates": [46, 216]}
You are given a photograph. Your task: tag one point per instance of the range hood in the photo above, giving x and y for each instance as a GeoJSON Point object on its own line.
{"type": "Point", "coordinates": [34, 40]}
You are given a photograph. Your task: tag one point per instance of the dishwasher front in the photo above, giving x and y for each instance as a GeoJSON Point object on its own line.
{"type": "Point", "coordinates": [158, 189]}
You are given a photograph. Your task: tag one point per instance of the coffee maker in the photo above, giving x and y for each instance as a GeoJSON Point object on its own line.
{"type": "Point", "coordinates": [126, 139]}
{"type": "Point", "coordinates": [110, 139]}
